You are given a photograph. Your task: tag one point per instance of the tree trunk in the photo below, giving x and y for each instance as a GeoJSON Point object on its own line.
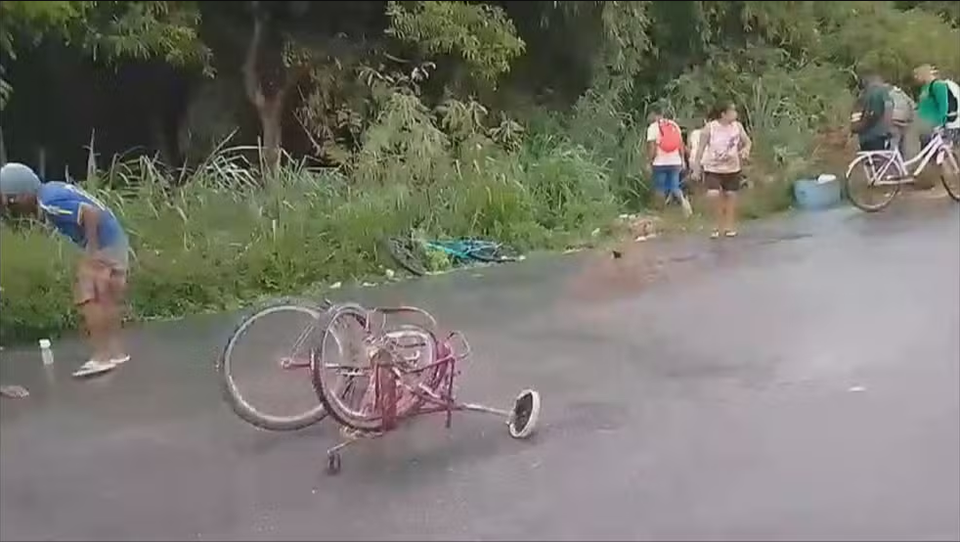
{"type": "Point", "coordinates": [271, 122]}
{"type": "Point", "coordinates": [269, 108]}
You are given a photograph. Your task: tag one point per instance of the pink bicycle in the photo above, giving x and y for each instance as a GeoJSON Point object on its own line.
{"type": "Point", "coordinates": [370, 370]}
{"type": "Point", "coordinates": [397, 371]}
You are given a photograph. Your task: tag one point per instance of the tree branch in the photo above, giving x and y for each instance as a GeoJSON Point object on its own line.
{"type": "Point", "coordinates": [250, 81]}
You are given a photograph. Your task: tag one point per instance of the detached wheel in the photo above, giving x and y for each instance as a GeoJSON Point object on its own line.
{"type": "Point", "coordinates": [407, 253]}
{"type": "Point", "coordinates": [526, 413]}
{"type": "Point", "coordinates": [495, 254]}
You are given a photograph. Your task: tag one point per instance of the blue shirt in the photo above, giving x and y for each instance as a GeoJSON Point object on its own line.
{"type": "Point", "coordinates": [61, 202]}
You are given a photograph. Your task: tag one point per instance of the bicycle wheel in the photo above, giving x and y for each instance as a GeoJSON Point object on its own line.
{"type": "Point", "coordinates": [407, 253]}
{"type": "Point", "coordinates": [860, 187]}
{"type": "Point", "coordinates": [950, 172]}
{"type": "Point", "coordinates": [270, 393]}
{"type": "Point", "coordinates": [347, 384]}
{"type": "Point", "coordinates": [343, 377]}
{"type": "Point", "coordinates": [415, 351]}
{"type": "Point", "coordinates": [493, 253]}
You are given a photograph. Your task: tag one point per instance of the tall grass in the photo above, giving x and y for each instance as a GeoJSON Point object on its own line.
{"type": "Point", "coordinates": [218, 237]}
{"type": "Point", "coordinates": [221, 236]}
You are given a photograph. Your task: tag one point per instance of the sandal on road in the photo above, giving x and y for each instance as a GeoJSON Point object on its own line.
{"type": "Point", "coordinates": [120, 360]}
{"type": "Point", "coordinates": [731, 233]}
{"type": "Point", "coordinates": [93, 367]}
{"type": "Point", "coordinates": [13, 391]}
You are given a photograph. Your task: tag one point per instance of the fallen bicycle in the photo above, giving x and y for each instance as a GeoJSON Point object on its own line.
{"type": "Point", "coordinates": [368, 373]}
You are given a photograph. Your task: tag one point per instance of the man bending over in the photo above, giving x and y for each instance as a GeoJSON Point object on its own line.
{"type": "Point", "coordinates": [101, 274]}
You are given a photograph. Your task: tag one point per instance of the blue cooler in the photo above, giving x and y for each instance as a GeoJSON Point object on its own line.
{"type": "Point", "coordinates": [815, 194]}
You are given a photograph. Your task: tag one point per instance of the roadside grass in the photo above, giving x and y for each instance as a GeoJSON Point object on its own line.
{"type": "Point", "coordinates": [222, 236]}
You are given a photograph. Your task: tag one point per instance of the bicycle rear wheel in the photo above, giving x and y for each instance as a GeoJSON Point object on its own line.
{"type": "Point", "coordinates": [407, 253]}
{"type": "Point", "coordinates": [263, 368]}
{"type": "Point", "coordinates": [494, 253]}
{"type": "Point", "coordinates": [950, 172]}
{"type": "Point", "coordinates": [860, 187]}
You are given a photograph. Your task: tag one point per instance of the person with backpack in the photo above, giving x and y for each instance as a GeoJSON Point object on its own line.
{"type": "Point", "coordinates": [938, 105]}
{"type": "Point", "coordinates": [724, 146]}
{"type": "Point", "coordinates": [903, 115]}
{"type": "Point", "coordinates": [665, 150]}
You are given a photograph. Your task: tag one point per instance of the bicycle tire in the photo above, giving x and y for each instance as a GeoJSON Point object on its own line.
{"type": "Point", "coordinates": [860, 204]}
{"type": "Point", "coordinates": [494, 253]}
{"type": "Point", "coordinates": [431, 378]}
{"type": "Point", "coordinates": [323, 384]}
{"type": "Point", "coordinates": [951, 160]}
{"type": "Point", "coordinates": [406, 402]}
{"type": "Point", "coordinates": [230, 391]}
{"type": "Point", "coordinates": [406, 255]}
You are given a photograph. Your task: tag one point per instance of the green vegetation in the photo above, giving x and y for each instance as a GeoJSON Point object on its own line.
{"type": "Point", "coordinates": [519, 122]}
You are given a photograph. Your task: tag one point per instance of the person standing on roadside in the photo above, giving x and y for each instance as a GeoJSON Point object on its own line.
{"type": "Point", "coordinates": [693, 145]}
{"type": "Point", "coordinates": [901, 118]}
{"type": "Point", "coordinates": [872, 119]}
{"type": "Point", "coordinates": [665, 150]}
{"type": "Point", "coordinates": [937, 105]}
{"type": "Point", "coordinates": [102, 270]}
{"type": "Point", "coordinates": [724, 146]}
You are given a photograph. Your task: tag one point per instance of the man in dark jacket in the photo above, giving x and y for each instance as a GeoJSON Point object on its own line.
{"type": "Point", "coordinates": [874, 114]}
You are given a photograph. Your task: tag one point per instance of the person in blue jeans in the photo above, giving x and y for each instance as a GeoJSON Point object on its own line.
{"type": "Point", "coordinates": [102, 271]}
{"type": "Point", "coordinates": [665, 150]}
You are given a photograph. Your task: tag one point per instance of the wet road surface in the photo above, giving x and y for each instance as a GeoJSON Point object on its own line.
{"type": "Point", "coordinates": [799, 382]}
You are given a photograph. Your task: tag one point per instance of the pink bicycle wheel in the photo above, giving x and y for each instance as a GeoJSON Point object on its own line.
{"type": "Point", "coordinates": [356, 371]}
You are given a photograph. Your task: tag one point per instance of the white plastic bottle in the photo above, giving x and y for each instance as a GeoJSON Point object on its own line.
{"type": "Point", "coordinates": [45, 352]}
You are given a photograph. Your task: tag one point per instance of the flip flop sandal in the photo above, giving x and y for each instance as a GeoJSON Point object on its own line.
{"type": "Point", "coordinates": [121, 360]}
{"type": "Point", "coordinates": [730, 234]}
{"type": "Point", "coordinates": [715, 234]}
{"type": "Point", "coordinates": [13, 391]}
{"type": "Point", "coordinates": [92, 368]}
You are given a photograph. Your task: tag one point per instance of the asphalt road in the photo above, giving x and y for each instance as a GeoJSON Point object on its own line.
{"type": "Point", "coordinates": [799, 382]}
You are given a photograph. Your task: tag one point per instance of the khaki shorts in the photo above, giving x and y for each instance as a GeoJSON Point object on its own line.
{"type": "Point", "coordinates": [102, 278]}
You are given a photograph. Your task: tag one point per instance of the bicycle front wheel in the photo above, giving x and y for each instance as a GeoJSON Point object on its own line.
{"type": "Point", "coordinates": [343, 370]}
{"type": "Point", "coordinates": [494, 253]}
{"type": "Point", "coordinates": [950, 172]}
{"type": "Point", "coordinates": [264, 366]}
{"type": "Point", "coordinates": [860, 183]}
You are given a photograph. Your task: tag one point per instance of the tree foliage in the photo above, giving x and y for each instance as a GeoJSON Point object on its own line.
{"type": "Point", "coordinates": [481, 35]}
{"type": "Point", "coordinates": [312, 60]}
{"type": "Point", "coordinates": [28, 22]}
{"type": "Point", "coordinates": [521, 121]}
{"type": "Point", "coordinates": [142, 30]}
{"type": "Point", "coordinates": [109, 31]}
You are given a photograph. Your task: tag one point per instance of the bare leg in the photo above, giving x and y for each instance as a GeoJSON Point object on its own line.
{"type": "Point", "coordinates": [715, 199]}
{"type": "Point", "coordinates": [97, 320]}
{"type": "Point", "coordinates": [730, 204]}
{"type": "Point", "coordinates": [113, 317]}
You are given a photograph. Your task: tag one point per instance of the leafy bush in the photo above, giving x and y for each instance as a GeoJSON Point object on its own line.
{"type": "Point", "coordinates": [220, 238]}
{"type": "Point", "coordinates": [435, 160]}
